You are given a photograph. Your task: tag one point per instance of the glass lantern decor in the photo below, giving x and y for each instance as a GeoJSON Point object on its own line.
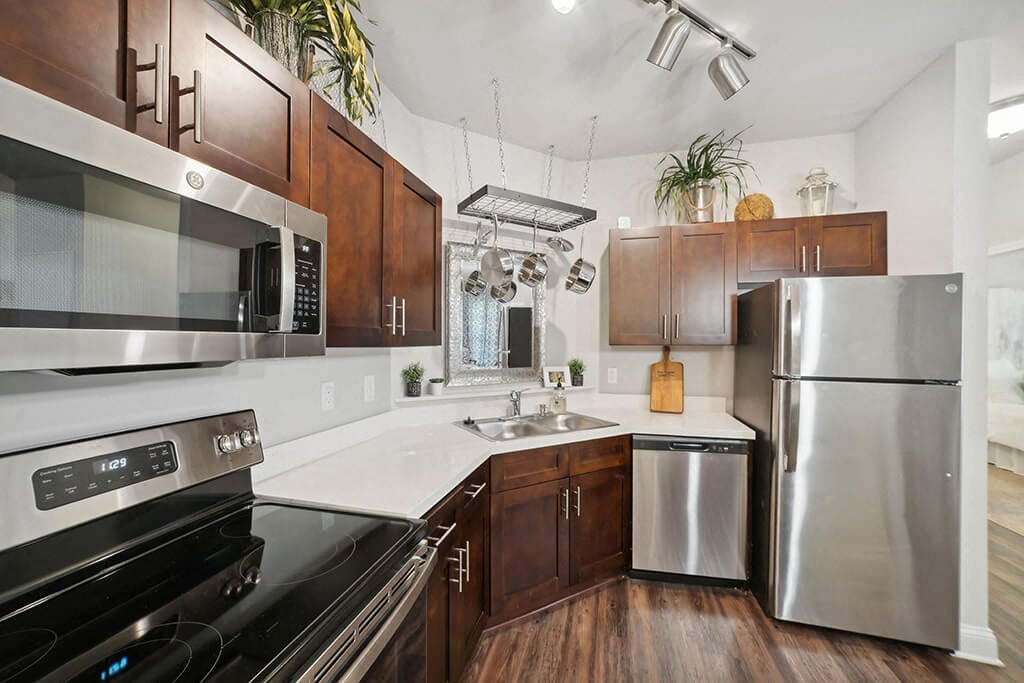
{"type": "Point", "coordinates": [817, 195]}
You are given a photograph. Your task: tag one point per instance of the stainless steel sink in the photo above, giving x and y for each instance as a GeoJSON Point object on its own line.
{"type": "Point", "coordinates": [506, 428]}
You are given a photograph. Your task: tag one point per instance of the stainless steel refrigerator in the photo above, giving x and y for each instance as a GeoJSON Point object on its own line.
{"type": "Point", "coordinates": [853, 388]}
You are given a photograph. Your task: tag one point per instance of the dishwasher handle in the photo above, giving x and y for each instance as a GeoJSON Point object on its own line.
{"type": "Point", "coordinates": [688, 447]}
{"type": "Point", "coordinates": [690, 444]}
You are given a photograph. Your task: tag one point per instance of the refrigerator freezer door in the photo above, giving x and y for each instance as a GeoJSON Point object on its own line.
{"type": "Point", "coordinates": [896, 328]}
{"type": "Point", "coordinates": [867, 506]}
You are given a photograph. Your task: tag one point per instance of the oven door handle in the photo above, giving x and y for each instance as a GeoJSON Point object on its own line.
{"type": "Point", "coordinates": [359, 666]}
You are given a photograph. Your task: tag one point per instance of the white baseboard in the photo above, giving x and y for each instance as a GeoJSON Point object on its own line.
{"type": "Point", "coordinates": [978, 644]}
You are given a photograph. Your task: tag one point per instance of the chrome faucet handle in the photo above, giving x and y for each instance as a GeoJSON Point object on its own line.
{"type": "Point", "coordinates": [515, 395]}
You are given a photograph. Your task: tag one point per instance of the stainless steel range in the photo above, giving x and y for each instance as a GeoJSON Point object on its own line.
{"type": "Point", "coordinates": [144, 556]}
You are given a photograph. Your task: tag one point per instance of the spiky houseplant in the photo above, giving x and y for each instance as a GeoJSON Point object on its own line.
{"type": "Point", "coordinates": [329, 25]}
{"type": "Point", "coordinates": [714, 158]}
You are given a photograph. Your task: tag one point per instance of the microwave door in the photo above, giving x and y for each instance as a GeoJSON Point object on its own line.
{"type": "Point", "coordinates": [273, 282]}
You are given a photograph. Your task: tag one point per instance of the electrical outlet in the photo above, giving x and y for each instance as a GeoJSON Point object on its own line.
{"type": "Point", "coordinates": [369, 389]}
{"type": "Point", "coordinates": [613, 375]}
{"type": "Point", "coordinates": [326, 396]}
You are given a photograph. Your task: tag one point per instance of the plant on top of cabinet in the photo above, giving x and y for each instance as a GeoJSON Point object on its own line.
{"type": "Point", "coordinates": [287, 29]}
{"type": "Point", "coordinates": [712, 164]}
{"type": "Point", "coordinates": [413, 376]}
{"type": "Point", "coordinates": [576, 368]}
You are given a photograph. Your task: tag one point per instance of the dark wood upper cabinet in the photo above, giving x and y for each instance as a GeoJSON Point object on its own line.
{"type": "Point", "coordinates": [245, 114]}
{"type": "Point", "coordinates": [704, 284]}
{"type": "Point", "coordinates": [412, 270]}
{"type": "Point", "coordinates": [839, 244]}
{"type": "Point", "coordinates": [98, 56]}
{"type": "Point", "coordinates": [350, 177]}
{"type": "Point", "coordinates": [529, 547]}
{"type": "Point", "coordinates": [639, 286]}
{"type": "Point", "coordinates": [599, 523]}
{"type": "Point", "coordinates": [852, 244]}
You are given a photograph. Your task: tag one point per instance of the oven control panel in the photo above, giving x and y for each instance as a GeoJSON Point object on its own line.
{"type": "Point", "coordinates": [72, 481]}
{"type": "Point", "coordinates": [307, 286]}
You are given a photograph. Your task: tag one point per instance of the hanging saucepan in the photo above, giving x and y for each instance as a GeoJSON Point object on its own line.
{"type": "Point", "coordinates": [505, 293]}
{"type": "Point", "coordinates": [496, 265]}
{"type": "Point", "coordinates": [474, 285]}
{"type": "Point", "coordinates": [582, 273]}
{"type": "Point", "coordinates": [534, 267]}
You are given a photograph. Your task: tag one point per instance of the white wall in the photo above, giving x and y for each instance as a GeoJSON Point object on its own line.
{"type": "Point", "coordinates": [923, 157]}
{"type": "Point", "coordinates": [1006, 186]}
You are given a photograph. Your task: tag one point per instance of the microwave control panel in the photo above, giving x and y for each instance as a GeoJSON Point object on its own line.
{"type": "Point", "coordinates": [72, 481]}
{"type": "Point", "coordinates": [308, 282]}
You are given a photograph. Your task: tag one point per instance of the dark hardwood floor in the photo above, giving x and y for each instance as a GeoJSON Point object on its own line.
{"type": "Point", "coordinates": [647, 631]}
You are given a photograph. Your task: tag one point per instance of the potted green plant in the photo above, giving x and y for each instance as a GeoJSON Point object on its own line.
{"type": "Point", "coordinates": [290, 30]}
{"type": "Point", "coordinates": [690, 186]}
{"type": "Point", "coordinates": [435, 386]}
{"type": "Point", "coordinates": [413, 376]}
{"type": "Point", "coordinates": [576, 368]}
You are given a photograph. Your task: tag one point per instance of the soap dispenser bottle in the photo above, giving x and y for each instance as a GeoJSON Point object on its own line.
{"type": "Point", "coordinates": [558, 402]}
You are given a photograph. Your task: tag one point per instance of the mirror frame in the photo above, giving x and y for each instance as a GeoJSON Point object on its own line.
{"type": "Point", "coordinates": [457, 375]}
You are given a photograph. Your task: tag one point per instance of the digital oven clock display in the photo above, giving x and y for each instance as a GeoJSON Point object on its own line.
{"type": "Point", "coordinates": [73, 481]}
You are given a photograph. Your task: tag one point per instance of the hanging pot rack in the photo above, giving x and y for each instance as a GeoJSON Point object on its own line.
{"type": "Point", "coordinates": [521, 208]}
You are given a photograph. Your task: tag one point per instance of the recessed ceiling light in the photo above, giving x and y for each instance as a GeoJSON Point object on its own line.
{"type": "Point", "coordinates": [1006, 117]}
{"type": "Point", "coordinates": [563, 6]}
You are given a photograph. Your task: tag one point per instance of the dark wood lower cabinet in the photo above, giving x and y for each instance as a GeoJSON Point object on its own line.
{"type": "Point", "coordinates": [600, 519]}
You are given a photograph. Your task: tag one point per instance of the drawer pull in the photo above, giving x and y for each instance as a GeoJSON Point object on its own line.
{"type": "Point", "coordinates": [478, 488]}
{"type": "Point", "coordinates": [438, 540]}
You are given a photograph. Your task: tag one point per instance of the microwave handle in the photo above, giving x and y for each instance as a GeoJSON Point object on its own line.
{"type": "Point", "coordinates": [288, 275]}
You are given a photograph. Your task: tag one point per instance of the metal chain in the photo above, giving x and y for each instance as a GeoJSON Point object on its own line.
{"type": "Point", "coordinates": [465, 143]}
{"type": "Point", "coordinates": [551, 166]}
{"type": "Point", "coordinates": [590, 156]}
{"type": "Point", "coordinates": [497, 121]}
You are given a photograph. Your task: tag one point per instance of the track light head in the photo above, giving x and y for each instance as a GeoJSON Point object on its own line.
{"type": "Point", "coordinates": [727, 74]}
{"type": "Point", "coordinates": [670, 41]}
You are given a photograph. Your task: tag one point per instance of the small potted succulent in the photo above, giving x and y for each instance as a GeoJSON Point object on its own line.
{"type": "Point", "coordinates": [413, 376]}
{"type": "Point", "coordinates": [576, 368]}
{"type": "Point", "coordinates": [435, 386]}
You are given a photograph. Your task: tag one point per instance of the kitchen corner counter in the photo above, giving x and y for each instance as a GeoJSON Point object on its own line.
{"type": "Point", "coordinates": [405, 470]}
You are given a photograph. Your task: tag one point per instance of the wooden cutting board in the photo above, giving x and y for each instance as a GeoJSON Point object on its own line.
{"type": "Point", "coordinates": [666, 385]}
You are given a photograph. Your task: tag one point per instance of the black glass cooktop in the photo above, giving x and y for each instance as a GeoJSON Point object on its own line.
{"type": "Point", "coordinates": [237, 599]}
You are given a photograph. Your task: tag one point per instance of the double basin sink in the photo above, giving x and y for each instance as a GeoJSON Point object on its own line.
{"type": "Point", "coordinates": [506, 428]}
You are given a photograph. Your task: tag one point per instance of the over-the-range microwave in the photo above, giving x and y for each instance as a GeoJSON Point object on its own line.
{"type": "Point", "coordinates": [117, 253]}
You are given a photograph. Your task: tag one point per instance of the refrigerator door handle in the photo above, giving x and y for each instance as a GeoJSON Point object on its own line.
{"type": "Point", "coordinates": [792, 336]}
{"type": "Point", "coordinates": [791, 419]}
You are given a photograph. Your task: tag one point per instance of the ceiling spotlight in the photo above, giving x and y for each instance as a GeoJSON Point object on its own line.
{"type": "Point", "coordinates": [563, 6]}
{"type": "Point", "coordinates": [670, 40]}
{"type": "Point", "coordinates": [1006, 117]}
{"type": "Point", "coordinates": [727, 75]}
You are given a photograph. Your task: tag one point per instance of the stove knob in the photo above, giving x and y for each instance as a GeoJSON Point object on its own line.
{"type": "Point", "coordinates": [248, 437]}
{"type": "Point", "coordinates": [252, 575]}
{"type": "Point", "coordinates": [228, 443]}
{"type": "Point", "coordinates": [231, 588]}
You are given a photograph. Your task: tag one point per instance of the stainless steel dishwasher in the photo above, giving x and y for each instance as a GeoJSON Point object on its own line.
{"type": "Point", "coordinates": [690, 506]}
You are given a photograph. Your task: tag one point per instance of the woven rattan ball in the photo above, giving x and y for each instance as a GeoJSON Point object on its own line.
{"type": "Point", "coordinates": [754, 207]}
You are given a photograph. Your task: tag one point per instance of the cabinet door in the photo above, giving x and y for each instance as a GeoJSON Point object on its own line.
{"type": "Point", "coordinates": [86, 54]}
{"type": "Point", "coordinates": [468, 608]}
{"type": "Point", "coordinates": [639, 286]}
{"type": "Point", "coordinates": [529, 547]}
{"type": "Point", "coordinates": [442, 532]}
{"type": "Point", "coordinates": [704, 283]}
{"type": "Point", "coordinates": [349, 177]}
{"type": "Point", "coordinates": [768, 250]}
{"type": "Point", "coordinates": [253, 115]}
{"type": "Point", "coordinates": [413, 261]}
{"type": "Point", "coordinates": [851, 244]}
{"type": "Point", "coordinates": [600, 523]}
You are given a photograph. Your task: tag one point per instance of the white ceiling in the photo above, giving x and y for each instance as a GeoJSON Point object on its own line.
{"type": "Point", "coordinates": [822, 67]}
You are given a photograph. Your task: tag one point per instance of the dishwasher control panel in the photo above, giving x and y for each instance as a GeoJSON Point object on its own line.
{"type": "Point", "coordinates": [650, 442]}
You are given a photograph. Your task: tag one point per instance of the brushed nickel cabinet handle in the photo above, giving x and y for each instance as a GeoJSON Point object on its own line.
{"type": "Point", "coordinates": [438, 540]}
{"type": "Point", "coordinates": [403, 317]}
{"type": "Point", "coordinates": [677, 326]}
{"type": "Point", "coordinates": [817, 257]}
{"type": "Point", "coordinates": [565, 493]}
{"type": "Point", "coordinates": [579, 500]}
{"type": "Point", "coordinates": [467, 560]}
{"type": "Point", "coordinates": [477, 489]}
{"type": "Point", "coordinates": [664, 327]}
{"type": "Point", "coordinates": [458, 572]}
{"type": "Point", "coordinates": [803, 259]}
{"type": "Point", "coordinates": [394, 312]}
{"type": "Point", "coordinates": [160, 66]}
{"type": "Point", "coordinates": [196, 90]}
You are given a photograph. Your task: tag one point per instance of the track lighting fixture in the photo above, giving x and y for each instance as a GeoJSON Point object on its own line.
{"type": "Point", "coordinates": [670, 41]}
{"type": "Point", "coordinates": [724, 70]}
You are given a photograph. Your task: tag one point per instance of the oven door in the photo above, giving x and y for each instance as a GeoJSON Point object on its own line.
{"type": "Point", "coordinates": [116, 252]}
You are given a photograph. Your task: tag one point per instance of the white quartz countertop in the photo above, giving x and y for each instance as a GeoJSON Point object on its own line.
{"type": "Point", "coordinates": [406, 469]}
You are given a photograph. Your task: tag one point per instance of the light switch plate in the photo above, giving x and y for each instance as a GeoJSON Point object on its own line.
{"type": "Point", "coordinates": [326, 396]}
{"type": "Point", "coordinates": [613, 375]}
{"type": "Point", "coordinates": [369, 389]}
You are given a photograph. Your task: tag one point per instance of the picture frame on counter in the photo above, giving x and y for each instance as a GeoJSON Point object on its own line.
{"type": "Point", "coordinates": [553, 374]}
